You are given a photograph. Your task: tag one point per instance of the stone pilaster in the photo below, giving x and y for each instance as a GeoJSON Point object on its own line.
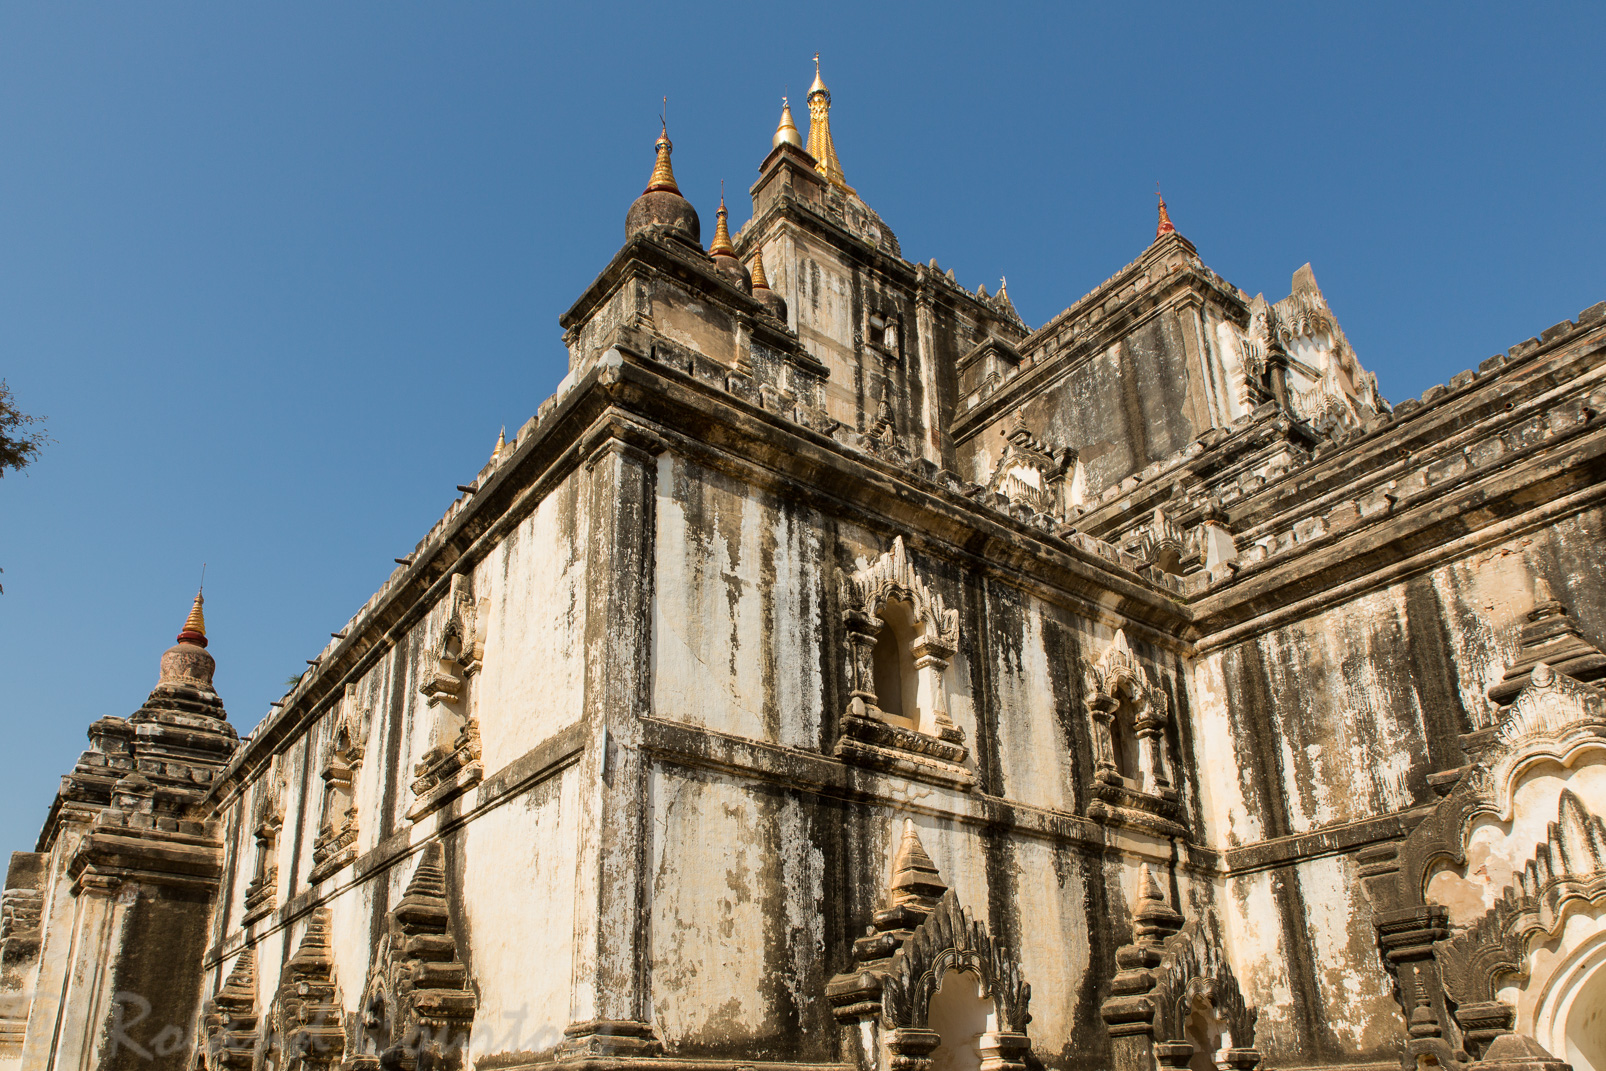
{"type": "Point", "coordinates": [608, 1009]}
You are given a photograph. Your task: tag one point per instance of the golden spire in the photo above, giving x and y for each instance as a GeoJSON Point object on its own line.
{"type": "Point", "coordinates": [501, 443]}
{"type": "Point", "coordinates": [820, 145]}
{"type": "Point", "coordinates": [1165, 225]}
{"type": "Point", "coordinates": [786, 131]}
{"type": "Point", "coordinates": [663, 176]}
{"type": "Point", "coordinates": [760, 282]}
{"type": "Point", "coordinates": [194, 630]}
{"type": "Point", "coordinates": [721, 245]}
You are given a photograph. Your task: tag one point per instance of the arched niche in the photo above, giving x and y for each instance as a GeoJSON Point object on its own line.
{"type": "Point", "coordinates": [961, 1017]}
{"type": "Point", "coordinates": [897, 683]}
{"type": "Point", "coordinates": [1476, 905]}
{"type": "Point", "coordinates": [1570, 1020]}
{"type": "Point", "coordinates": [900, 641]}
{"type": "Point", "coordinates": [1129, 715]}
{"type": "Point", "coordinates": [929, 982]}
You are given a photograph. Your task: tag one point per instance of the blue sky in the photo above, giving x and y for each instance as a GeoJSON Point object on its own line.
{"type": "Point", "coordinates": [278, 273]}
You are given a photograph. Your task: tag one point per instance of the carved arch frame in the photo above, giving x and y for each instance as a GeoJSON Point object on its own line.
{"type": "Point", "coordinates": [935, 751]}
{"type": "Point", "coordinates": [1119, 694]}
{"type": "Point", "coordinates": [1447, 978]}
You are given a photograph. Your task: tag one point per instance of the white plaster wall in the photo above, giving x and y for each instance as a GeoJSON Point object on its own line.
{"type": "Point", "coordinates": [518, 910]}
{"type": "Point", "coordinates": [1053, 950]}
{"type": "Point", "coordinates": [735, 888]}
{"type": "Point", "coordinates": [532, 682]}
{"type": "Point", "coordinates": [736, 608]}
{"type": "Point", "coordinates": [1030, 739]}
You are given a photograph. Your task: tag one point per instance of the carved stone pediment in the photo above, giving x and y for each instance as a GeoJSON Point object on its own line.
{"type": "Point", "coordinates": [922, 934]}
{"type": "Point", "coordinates": [1447, 975]}
{"type": "Point", "coordinates": [1030, 474]}
{"type": "Point", "coordinates": [891, 576]}
{"type": "Point", "coordinates": [230, 1019]}
{"type": "Point", "coordinates": [927, 746]}
{"type": "Point", "coordinates": [418, 1006]}
{"type": "Point", "coordinates": [307, 1018]}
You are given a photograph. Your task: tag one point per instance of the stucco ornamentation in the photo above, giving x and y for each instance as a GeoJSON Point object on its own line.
{"type": "Point", "coordinates": [418, 1006]}
{"type": "Point", "coordinates": [922, 934]}
{"type": "Point", "coordinates": [1129, 715]}
{"type": "Point", "coordinates": [307, 1019]}
{"type": "Point", "coordinates": [230, 1019]}
{"type": "Point", "coordinates": [933, 747]}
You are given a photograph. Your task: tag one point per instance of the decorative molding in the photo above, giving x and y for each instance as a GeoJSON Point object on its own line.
{"type": "Point", "coordinates": [230, 1019]}
{"type": "Point", "coordinates": [869, 736]}
{"type": "Point", "coordinates": [920, 935]}
{"type": "Point", "coordinates": [447, 772]}
{"type": "Point", "coordinates": [308, 1017]}
{"type": "Point", "coordinates": [261, 894]}
{"type": "Point", "coordinates": [418, 1007]}
{"type": "Point", "coordinates": [1120, 697]}
{"type": "Point", "coordinates": [336, 844]}
{"type": "Point", "coordinates": [1171, 965]}
{"type": "Point", "coordinates": [459, 648]}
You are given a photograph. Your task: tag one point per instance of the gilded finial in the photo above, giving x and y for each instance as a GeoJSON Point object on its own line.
{"type": "Point", "coordinates": [760, 280]}
{"type": "Point", "coordinates": [194, 630]}
{"type": "Point", "coordinates": [820, 145]}
{"type": "Point", "coordinates": [1165, 225]}
{"type": "Point", "coordinates": [786, 131]}
{"type": "Point", "coordinates": [721, 245]}
{"type": "Point", "coordinates": [819, 83]}
{"type": "Point", "coordinates": [501, 443]}
{"type": "Point", "coordinates": [663, 176]}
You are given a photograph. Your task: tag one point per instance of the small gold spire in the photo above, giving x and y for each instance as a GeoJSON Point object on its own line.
{"type": "Point", "coordinates": [194, 630]}
{"type": "Point", "coordinates": [760, 281]}
{"type": "Point", "coordinates": [721, 245]}
{"type": "Point", "coordinates": [820, 144]}
{"type": "Point", "coordinates": [501, 443]}
{"type": "Point", "coordinates": [786, 132]}
{"type": "Point", "coordinates": [1165, 225]}
{"type": "Point", "coordinates": [663, 176]}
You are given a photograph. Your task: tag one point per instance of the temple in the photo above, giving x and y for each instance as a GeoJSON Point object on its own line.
{"type": "Point", "coordinates": [838, 673]}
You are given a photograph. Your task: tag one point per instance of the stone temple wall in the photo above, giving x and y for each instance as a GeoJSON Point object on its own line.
{"type": "Point", "coordinates": [839, 674]}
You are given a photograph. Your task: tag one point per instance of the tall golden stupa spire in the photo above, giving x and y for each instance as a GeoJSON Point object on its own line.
{"type": "Point", "coordinates": [820, 145]}
{"type": "Point", "coordinates": [721, 245]}
{"type": "Point", "coordinates": [786, 130]}
{"type": "Point", "coordinates": [663, 176]}
{"type": "Point", "coordinates": [194, 630]}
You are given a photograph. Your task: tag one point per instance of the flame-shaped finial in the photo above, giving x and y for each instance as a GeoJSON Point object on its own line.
{"type": "Point", "coordinates": [721, 245]}
{"type": "Point", "coordinates": [786, 131]}
{"type": "Point", "coordinates": [1165, 225]}
{"type": "Point", "coordinates": [818, 85]}
{"type": "Point", "coordinates": [194, 630]}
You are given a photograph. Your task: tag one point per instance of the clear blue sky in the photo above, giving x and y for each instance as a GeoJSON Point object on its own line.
{"type": "Point", "coordinates": [277, 273]}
